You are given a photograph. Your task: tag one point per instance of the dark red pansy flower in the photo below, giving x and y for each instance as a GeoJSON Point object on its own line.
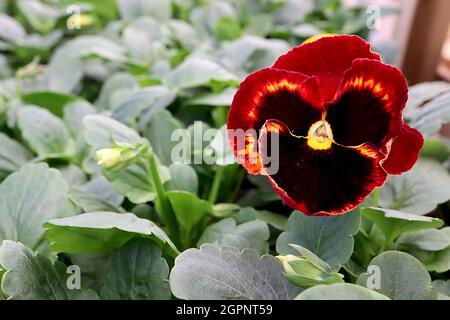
{"type": "Point", "coordinates": [336, 112]}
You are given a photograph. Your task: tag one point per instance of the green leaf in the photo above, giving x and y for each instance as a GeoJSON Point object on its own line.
{"type": "Point", "coordinates": [196, 72]}
{"type": "Point", "coordinates": [74, 113]}
{"type": "Point", "coordinates": [28, 198]}
{"type": "Point", "coordinates": [275, 220]}
{"type": "Point", "coordinates": [40, 16]}
{"type": "Point", "coordinates": [137, 272]}
{"type": "Point", "coordinates": [220, 148]}
{"type": "Point", "coordinates": [159, 9]}
{"type": "Point", "coordinates": [340, 291]}
{"type": "Point", "coordinates": [431, 116]}
{"type": "Point", "coordinates": [435, 149]}
{"type": "Point", "coordinates": [252, 234]}
{"type": "Point", "coordinates": [227, 28]}
{"type": "Point", "coordinates": [189, 211]}
{"type": "Point", "coordinates": [31, 276]}
{"type": "Point", "coordinates": [251, 53]}
{"type": "Point", "coordinates": [442, 286]}
{"type": "Point", "coordinates": [46, 134]}
{"type": "Point", "coordinates": [87, 45]}
{"type": "Point", "coordinates": [159, 133]}
{"type": "Point", "coordinates": [102, 232]}
{"type": "Point", "coordinates": [90, 203]}
{"type": "Point", "coordinates": [12, 155]}
{"type": "Point", "coordinates": [183, 178]}
{"type": "Point", "coordinates": [422, 93]}
{"type": "Point", "coordinates": [417, 191]}
{"type": "Point", "coordinates": [330, 238]}
{"type": "Point", "coordinates": [227, 273]}
{"type": "Point", "coordinates": [223, 98]}
{"type": "Point", "coordinates": [223, 210]}
{"type": "Point", "coordinates": [401, 277]}
{"type": "Point", "coordinates": [104, 132]}
{"type": "Point", "coordinates": [52, 101]}
{"type": "Point", "coordinates": [139, 107]}
{"type": "Point", "coordinates": [134, 181]}
{"type": "Point", "coordinates": [437, 261]}
{"type": "Point", "coordinates": [62, 75]}
{"type": "Point", "coordinates": [115, 87]}
{"type": "Point", "coordinates": [429, 240]}
{"type": "Point", "coordinates": [394, 223]}
{"type": "Point", "coordinates": [10, 29]}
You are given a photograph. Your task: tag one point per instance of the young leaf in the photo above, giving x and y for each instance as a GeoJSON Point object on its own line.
{"type": "Point", "coordinates": [28, 198]}
{"type": "Point", "coordinates": [103, 232]}
{"type": "Point", "coordinates": [31, 276]}
{"type": "Point", "coordinates": [212, 272]}
{"type": "Point", "coordinates": [330, 238]}
{"type": "Point", "coordinates": [137, 272]}
{"type": "Point", "coordinates": [398, 276]}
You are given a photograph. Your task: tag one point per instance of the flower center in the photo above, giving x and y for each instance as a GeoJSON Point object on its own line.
{"type": "Point", "coordinates": [320, 136]}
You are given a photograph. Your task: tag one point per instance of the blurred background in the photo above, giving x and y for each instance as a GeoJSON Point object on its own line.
{"type": "Point", "coordinates": [421, 35]}
{"type": "Point", "coordinates": [412, 34]}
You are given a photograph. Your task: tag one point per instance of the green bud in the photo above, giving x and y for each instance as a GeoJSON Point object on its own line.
{"type": "Point", "coordinates": [120, 156]}
{"type": "Point", "coordinates": [305, 274]}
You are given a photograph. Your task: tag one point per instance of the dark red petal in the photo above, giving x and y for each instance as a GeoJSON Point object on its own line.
{"type": "Point", "coordinates": [327, 58]}
{"type": "Point", "coordinates": [320, 182]}
{"type": "Point", "coordinates": [369, 104]}
{"type": "Point", "coordinates": [271, 94]}
{"type": "Point", "coordinates": [404, 151]}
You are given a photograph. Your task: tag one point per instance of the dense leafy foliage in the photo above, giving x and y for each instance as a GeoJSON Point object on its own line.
{"type": "Point", "coordinates": [112, 85]}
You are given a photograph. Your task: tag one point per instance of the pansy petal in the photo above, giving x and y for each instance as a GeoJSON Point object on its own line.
{"type": "Point", "coordinates": [320, 182]}
{"type": "Point", "coordinates": [369, 104]}
{"type": "Point", "coordinates": [404, 151]}
{"type": "Point", "coordinates": [288, 97]}
{"type": "Point", "coordinates": [327, 58]}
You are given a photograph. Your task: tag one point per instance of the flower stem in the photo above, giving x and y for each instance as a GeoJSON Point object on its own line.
{"type": "Point", "coordinates": [376, 197]}
{"type": "Point", "coordinates": [240, 178]}
{"type": "Point", "coordinates": [216, 184]}
{"type": "Point", "coordinates": [164, 204]}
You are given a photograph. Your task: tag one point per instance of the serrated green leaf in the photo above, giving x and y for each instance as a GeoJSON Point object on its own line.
{"type": "Point", "coordinates": [31, 276]}
{"type": "Point", "coordinates": [227, 273]}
